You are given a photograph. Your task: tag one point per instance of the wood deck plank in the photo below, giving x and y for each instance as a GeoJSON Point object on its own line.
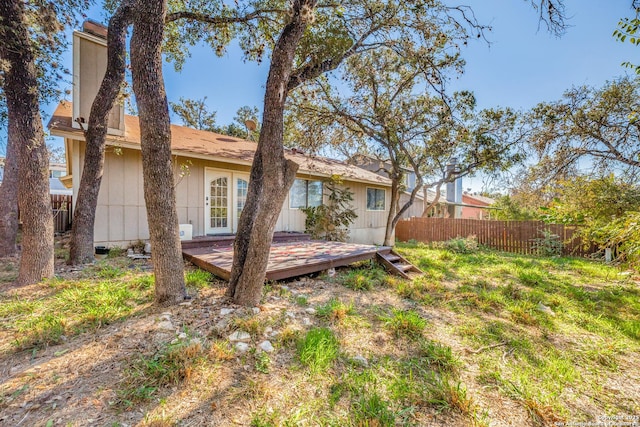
{"type": "Point", "coordinates": [287, 259]}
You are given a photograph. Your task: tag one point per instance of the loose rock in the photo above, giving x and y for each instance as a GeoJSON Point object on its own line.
{"type": "Point", "coordinates": [242, 347]}
{"type": "Point", "coordinates": [226, 311]}
{"type": "Point", "coordinates": [543, 308]}
{"type": "Point", "coordinates": [361, 360]}
{"type": "Point", "coordinates": [266, 346]}
{"type": "Point", "coordinates": [239, 336]}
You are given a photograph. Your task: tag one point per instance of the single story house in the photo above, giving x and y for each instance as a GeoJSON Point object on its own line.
{"type": "Point", "coordinates": [212, 175]}
{"type": "Point", "coordinates": [211, 170]}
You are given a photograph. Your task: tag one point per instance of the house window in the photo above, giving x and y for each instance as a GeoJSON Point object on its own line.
{"type": "Point", "coordinates": [375, 199]}
{"type": "Point", "coordinates": [305, 193]}
{"type": "Point", "coordinates": [241, 194]}
{"type": "Point", "coordinates": [409, 181]}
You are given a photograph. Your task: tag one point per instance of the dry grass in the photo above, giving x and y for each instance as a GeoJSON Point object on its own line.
{"type": "Point", "coordinates": [463, 345]}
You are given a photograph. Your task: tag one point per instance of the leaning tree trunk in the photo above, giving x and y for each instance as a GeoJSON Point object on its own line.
{"type": "Point", "coordinates": [393, 208]}
{"type": "Point", "coordinates": [81, 245]}
{"type": "Point", "coordinates": [271, 174]}
{"type": "Point", "coordinates": [434, 202]}
{"type": "Point", "coordinates": [155, 134]}
{"type": "Point", "coordinates": [21, 91]}
{"type": "Point", "coordinates": [9, 197]}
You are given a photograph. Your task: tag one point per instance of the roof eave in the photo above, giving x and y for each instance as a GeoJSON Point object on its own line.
{"type": "Point", "coordinates": [79, 136]}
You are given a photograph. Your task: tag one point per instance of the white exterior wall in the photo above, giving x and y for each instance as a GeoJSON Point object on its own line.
{"type": "Point", "coordinates": [121, 213]}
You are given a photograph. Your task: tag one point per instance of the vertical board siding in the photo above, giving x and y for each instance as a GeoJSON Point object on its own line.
{"type": "Point", "coordinates": [509, 236]}
{"type": "Point", "coordinates": [62, 216]}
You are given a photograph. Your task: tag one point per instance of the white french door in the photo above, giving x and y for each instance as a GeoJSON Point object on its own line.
{"type": "Point", "coordinates": [240, 188]}
{"type": "Point", "coordinates": [217, 203]}
{"type": "Point", "coordinates": [225, 197]}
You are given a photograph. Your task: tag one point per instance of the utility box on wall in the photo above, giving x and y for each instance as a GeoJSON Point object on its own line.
{"type": "Point", "coordinates": [186, 232]}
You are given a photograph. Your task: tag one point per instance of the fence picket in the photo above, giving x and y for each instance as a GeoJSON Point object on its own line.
{"type": "Point", "coordinates": [510, 236]}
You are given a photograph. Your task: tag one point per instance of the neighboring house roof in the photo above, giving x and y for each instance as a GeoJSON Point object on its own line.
{"type": "Point", "coordinates": [56, 187]}
{"type": "Point", "coordinates": [190, 142]}
{"type": "Point", "coordinates": [431, 195]}
{"type": "Point", "coordinates": [481, 199]}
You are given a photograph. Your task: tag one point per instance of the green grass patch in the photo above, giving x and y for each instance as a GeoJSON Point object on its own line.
{"type": "Point", "coordinates": [439, 356]}
{"type": "Point", "coordinates": [363, 279]}
{"type": "Point", "coordinates": [170, 365]}
{"type": "Point", "coordinates": [405, 322]}
{"type": "Point", "coordinates": [318, 349]}
{"type": "Point", "coordinates": [72, 307]}
{"type": "Point", "coordinates": [335, 310]}
{"type": "Point", "coordinates": [198, 279]}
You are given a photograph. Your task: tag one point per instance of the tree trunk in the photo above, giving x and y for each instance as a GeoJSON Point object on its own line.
{"type": "Point", "coordinates": [81, 245]}
{"type": "Point", "coordinates": [436, 200]}
{"type": "Point", "coordinates": [271, 174]}
{"type": "Point", "coordinates": [393, 208]}
{"type": "Point", "coordinates": [9, 197]}
{"type": "Point", "coordinates": [155, 134]}
{"type": "Point", "coordinates": [21, 90]}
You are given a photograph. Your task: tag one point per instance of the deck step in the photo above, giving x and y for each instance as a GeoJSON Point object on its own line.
{"type": "Point", "coordinates": [395, 263]}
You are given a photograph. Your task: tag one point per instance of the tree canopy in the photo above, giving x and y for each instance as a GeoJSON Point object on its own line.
{"type": "Point", "coordinates": [589, 128]}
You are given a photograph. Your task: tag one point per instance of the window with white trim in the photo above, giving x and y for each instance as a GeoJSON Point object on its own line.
{"type": "Point", "coordinates": [305, 193]}
{"type": "Point", "coordinates": [375, 199]}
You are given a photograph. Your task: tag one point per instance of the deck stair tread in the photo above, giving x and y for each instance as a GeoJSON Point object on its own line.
{"type": "Point", "coordinates": [396, 264]}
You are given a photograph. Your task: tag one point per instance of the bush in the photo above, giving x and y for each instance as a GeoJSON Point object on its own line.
{"type": "Point", "coordinates": [460, 245]}
{"type": "Point", "coordinates": [548, 244]}
{"type": "Point", "coordinates": [331, 221]}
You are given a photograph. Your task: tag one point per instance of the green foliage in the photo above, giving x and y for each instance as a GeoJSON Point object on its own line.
{"type": "Point", "coordinates": [71, 308]}
{"type": "Point", "coordinates": [587, 126]}
{"type": "Point", "coordinates": [623, 234]}
{"type": "Point", "coordinates": [459, 245]}
{"type": "Point", "coordinates": [548, 244]}
{"type": "Point", "coordinates": [194, 113]}
{"type": "Point", "coordinates": [363, 279]}
{"type": "Point", "coordinates": [405, 322]}
{"type": "Point", "coordinates": [198, 278]}
{"type": "Point", "coordinates": [262, 362]}
{"type": "Point", "coordinates": [318, 349]}
{"type": "Point", "coordinates": [606, 208]}
{"type": "Point", "coordinates": [439, 356]}
{"type": "Point", "coordinates": [509, 208]}
{"type": "Point", "coordinates": [335, 310]}
{"type": "Point", "coordinates": [372, 410]}
{"type": "Point", "coordinates": [628, 31]}
{"type": "Point", "coordinates": [331, 221]}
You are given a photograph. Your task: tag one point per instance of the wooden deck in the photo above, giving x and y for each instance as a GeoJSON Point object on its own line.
{"type": "Point", "coordinates": [287, 259]}
{"type": "Point", "coordinates": [222, 240]}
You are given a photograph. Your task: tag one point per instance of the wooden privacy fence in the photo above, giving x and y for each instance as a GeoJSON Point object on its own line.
{"type": "Point", "coordinates": [61, 205]}
{"type": "Point", "coordinates": [509, 236]}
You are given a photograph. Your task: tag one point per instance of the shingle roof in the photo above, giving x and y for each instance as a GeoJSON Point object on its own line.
{"type": "Point", "coordinates": [198, 143]}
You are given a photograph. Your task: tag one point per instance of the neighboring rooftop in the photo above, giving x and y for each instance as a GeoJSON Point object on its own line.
{"type": "Point", "coordinates": [198, 143]}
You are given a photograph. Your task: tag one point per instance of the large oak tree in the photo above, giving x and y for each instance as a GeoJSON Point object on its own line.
{"type": "Point", "coordinates": [25, 123]}
{"type": "Point", "coordinates": [155, 135]}
{"type": "Point", "coordinates": [81, 244]}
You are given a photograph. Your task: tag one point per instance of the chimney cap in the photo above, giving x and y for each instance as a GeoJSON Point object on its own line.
{"type": "Point", "coordinates": [93, 27]}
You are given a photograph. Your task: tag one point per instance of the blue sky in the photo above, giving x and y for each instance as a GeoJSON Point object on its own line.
{"type": "Point", "coordinates": [523, 64]}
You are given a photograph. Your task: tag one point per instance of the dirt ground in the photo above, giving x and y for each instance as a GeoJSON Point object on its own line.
{"type": "Point", "coordinates": [76, 382]}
